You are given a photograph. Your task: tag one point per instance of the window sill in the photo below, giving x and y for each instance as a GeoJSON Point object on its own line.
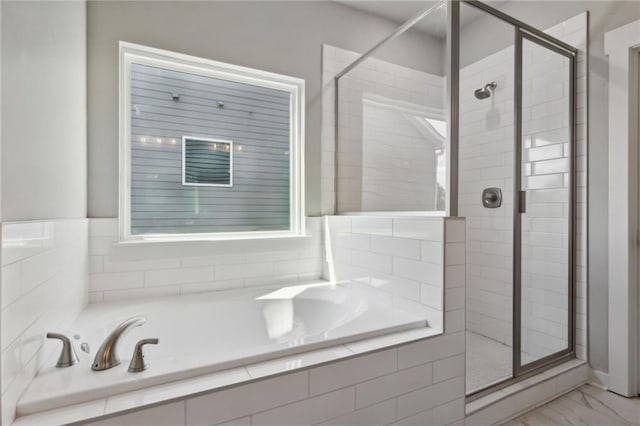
{"type": "Point", "coordinates": [160, 241]}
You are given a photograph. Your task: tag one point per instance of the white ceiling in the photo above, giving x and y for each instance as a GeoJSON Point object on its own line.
{"type": "Point", "coordinates": [400, 11]}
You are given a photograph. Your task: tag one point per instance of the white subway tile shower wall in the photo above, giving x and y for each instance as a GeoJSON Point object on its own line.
{"type": "Point", "coordinates": [416, 383]}
{"type": "Point", "coordinates": [486, 159]}
{"type": "Point", "coordinates": [380, 101]}
{"type": "Point", "coordinates": [119, 273]}
{"type": "Point", "coordinates": [44, 288]}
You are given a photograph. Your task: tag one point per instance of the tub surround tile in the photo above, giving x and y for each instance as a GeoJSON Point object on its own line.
{"type": "Point", "coordinates": [206, 287]}
{"type": "Point", "coordinates": [431, 251]}
{"type": "Point", "coordinates": [144, 398]}
{"type": "Point", "coordinates": [96, 264]}
{"type": "Point", "coordinates": [222, 259]}
{"type": "Point", "coordinates": [242, 421]}
{"type": "Point", "coordinates": [449, 413]}
{"type": "Point", "coordinates": [64, 415]}
{"type": "Point", "coordinates": [372, 226]}
{"type": "Point", "coordinates": [403, 247]}
{"type": "Point", "coordinates": [11, 284]}
{"type": "Point", "coordinates": [448, 368]}
{"type": "Point", "coordinates": [22, 240]}
{"type": "Point", "coordinates": [309, 411]}
{"type": "Point", "coordinates": [392, 385]}
{"type": "Point", "coordinates": [398, 265]}
{"type": "Point", "coordinates": [420, 419]}
{"type": "Point", "coordinates": [284, 280]}
{"type": "Point", "coordinates": [431, 349]}
{"type": "Point", "coordinates": [44, 288]}
{"type": "Point", "coordinates": [343, 373]}
{"type": "Point", "coordinates": [426, 398]}
{"type": "Point", "coordinates": [116, 281]}
{"type": "Point", "coordinates": [119, 272]}
{"type": "Point", "coordinates": [138, 265]}
{"type": "Point", "coordinates": [378, 414]}
{"type": "Point", "coordinates": [178, 276]}
{"type": "Point", "coordinates": [384, 379]}
{"type": "Point", "coordinates": [173, 390]}
{"type": "Point", "coordinates": [295, 362]}
{"type": "Point", "coordinates": [394, 339]}
{"type": "Point", "coordinates": [138, 293]}
{"type": "Point", "coordinates": [162, 415]}
{"type": "Point", "coordinates": [246, 399]}
{"type": "Point", "coordinates": [418, 271]}
{"type": "Point", "coordinates": [418, 228]}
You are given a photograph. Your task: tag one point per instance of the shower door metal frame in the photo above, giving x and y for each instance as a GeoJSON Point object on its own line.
{"type": "Point", "coordinates": [522, 32]}
{"type": "Point", "coordinates": [519, 369]}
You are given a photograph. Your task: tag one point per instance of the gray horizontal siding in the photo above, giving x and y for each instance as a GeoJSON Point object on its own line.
{"type": "Point", "coordinates": [254, 118]}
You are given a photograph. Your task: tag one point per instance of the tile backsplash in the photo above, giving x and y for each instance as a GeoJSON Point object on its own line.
{"type": "Point", "coordinates": [44, 288]}
{"type": "Point", "coordinates": [118, 272]}
{"type": "Point", "coordinates": [401, 258]}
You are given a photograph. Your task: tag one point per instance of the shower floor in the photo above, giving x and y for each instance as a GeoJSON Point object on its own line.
{"type": "Point", "coordinates": [488, 361]}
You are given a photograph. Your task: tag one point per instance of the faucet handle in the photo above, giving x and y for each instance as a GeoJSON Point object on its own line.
{"type": "Point", "coordinates": [137, 363]}
{"type": "Point", "coordinates": [68, 355]}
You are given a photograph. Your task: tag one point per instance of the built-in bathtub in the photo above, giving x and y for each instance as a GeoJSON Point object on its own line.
{"type": "Point", "coordinates": [205, 333]}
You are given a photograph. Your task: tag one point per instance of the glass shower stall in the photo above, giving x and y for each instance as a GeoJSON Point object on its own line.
{"type": "Point", "coordinates": [481, 125]}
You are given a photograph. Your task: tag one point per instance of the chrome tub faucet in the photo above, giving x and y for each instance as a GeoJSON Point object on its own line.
{"type": "Point", "coordinates": [68, 355]}
{"type": "Point", "coordinates": [106, 357]}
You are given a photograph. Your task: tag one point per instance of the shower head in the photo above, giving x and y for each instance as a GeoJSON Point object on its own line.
{"type": "Point", "coordinates": [485, 92]}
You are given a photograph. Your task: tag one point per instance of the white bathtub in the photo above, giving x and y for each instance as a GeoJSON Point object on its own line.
{"type": "Point", "coordinates": [204, 333]}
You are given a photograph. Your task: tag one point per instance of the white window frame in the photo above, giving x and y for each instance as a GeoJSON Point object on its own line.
{"type": "Point", "coordinates": [137, 54]}
{"type": "Point", "coordinates": [184, 161]}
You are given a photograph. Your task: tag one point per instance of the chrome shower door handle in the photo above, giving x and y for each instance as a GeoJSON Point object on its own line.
{"type": "Point", "coordinates": [522, 201]}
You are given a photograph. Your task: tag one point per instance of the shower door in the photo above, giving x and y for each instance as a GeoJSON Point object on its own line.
{"type": "Point", "coordinates": [543, 269]}
{"type": "Point", "coordinates": [517, 120]}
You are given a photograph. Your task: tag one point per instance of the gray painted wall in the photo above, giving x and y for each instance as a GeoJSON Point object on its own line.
{"type": "Point", "coordinates": [44, 161]}
{"type": "Point", "coordinates": [256, 121]}
{"type": "Point", "coordinates": [282, 37]}
{"type": "Point", "coordinates": [603, 16]}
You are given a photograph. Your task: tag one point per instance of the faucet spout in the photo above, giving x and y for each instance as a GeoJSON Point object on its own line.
{"type": "Point", "coordinates": [106, 357]}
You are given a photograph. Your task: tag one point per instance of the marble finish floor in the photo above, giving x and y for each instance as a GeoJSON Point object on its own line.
{"type": "Point", "coordinates": [585, 406]}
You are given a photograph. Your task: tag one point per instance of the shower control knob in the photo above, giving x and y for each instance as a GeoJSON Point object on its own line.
{"type": "Point", "coordinates": [492, 198]}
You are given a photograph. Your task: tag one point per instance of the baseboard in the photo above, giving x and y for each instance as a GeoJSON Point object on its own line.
{"type": "Point", "coordinates": [599, 379]}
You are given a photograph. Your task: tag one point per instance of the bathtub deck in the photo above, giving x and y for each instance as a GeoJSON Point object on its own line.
{"type": "Point", "coordinates": [360, 319]}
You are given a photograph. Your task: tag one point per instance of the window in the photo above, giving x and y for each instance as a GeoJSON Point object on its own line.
{"type": "Point", "coordinates": [207, 150]}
